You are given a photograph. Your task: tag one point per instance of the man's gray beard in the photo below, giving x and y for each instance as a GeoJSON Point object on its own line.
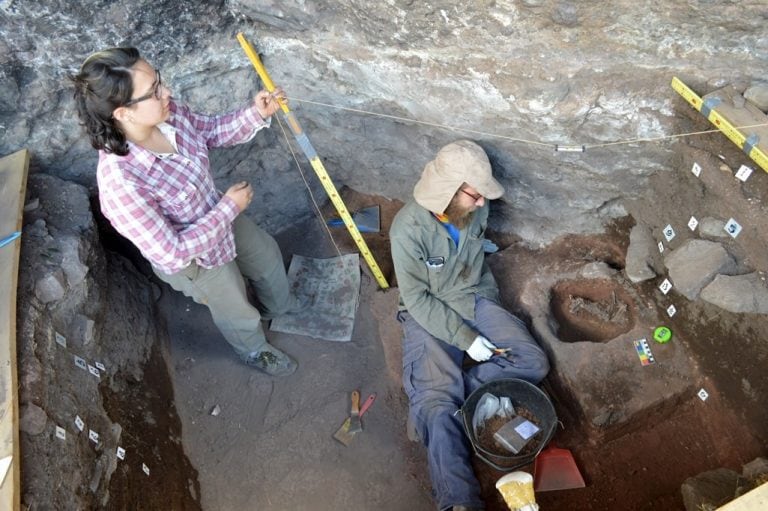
{"type": "Point", "coordinates": [458, 216]}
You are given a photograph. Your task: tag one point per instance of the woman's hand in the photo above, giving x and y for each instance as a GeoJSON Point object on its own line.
{"type": "Point", "coordinates": [241, 193]}
{"type": "Point", "coordinates": [267, 104]}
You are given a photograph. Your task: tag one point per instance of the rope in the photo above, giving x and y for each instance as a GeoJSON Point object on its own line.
{"type": "Point", "coordinates": [466, 130]}
{"type": "Point", "coordinates": [512, 139]}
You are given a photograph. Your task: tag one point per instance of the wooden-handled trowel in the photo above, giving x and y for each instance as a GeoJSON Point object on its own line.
{"type": "Point", "coordinates": [352, 425]}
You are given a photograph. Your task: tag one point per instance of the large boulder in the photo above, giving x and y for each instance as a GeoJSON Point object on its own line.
{"type": "Point", "coordinates": [711, 489]}
{"type": "Point", "coordinates": [640, 254]}
{"type": "Point", "coordinates": [695, 264]}
{"type": "Point", "coordinates": [739, 293]}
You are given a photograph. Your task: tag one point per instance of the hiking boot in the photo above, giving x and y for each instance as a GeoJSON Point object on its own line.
{"type": "Point", "coordinates": [272, 361]}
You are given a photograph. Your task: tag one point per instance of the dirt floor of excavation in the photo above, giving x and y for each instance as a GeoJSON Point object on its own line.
{"type": "Point", "coordinates": [271, 446]}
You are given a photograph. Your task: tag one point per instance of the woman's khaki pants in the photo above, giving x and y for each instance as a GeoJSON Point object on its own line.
{"type": "Point", "coordinates": [223, 289]}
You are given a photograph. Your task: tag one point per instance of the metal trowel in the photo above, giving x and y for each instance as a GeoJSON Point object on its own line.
{"type": "Point", "coordinates": [345, 434]}
{"type": "Point", "coordinates": [354, 414]}
{"type": "Point", "coordinates": [367, 219]}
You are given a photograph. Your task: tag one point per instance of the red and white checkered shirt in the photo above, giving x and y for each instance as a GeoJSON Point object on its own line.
{"type": "Point", "coordinates": [168, 205]}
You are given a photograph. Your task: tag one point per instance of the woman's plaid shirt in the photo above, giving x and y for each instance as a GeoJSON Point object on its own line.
{"type": "Point", "coordinates": [167, 205]}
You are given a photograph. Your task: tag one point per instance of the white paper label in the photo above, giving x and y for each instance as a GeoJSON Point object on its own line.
{"type": "Point", "coordinates": [80, 362]}
{"type": "Point", "coordinates": [696, 169]}
{"type": "Point", "coordinates": [671, 310]}
{"type": "Point", "coordinates": [665, 286]}
{"type": "Point", "coordinates": [120, 453]}
{"type": "Point", "coordinates": [94, 371]}
{"type": "Point", "coordinates": [692, 223]}
{"type": "Point", "coordinates": [526, 429]}
{"type": "Point", "coordinates": [61, 434]}
{"type": "Point", "coordinates": [703, 395]}
{"type": "Point", "coordinates": [100, 366]}
{"type": "Point", "coordinates": [79, 423]}
{"type": "Point", "coordinates": [61, 340]}
{"type": "Point", "coordinates": [661, 247]}
{"type": "Point", "coordinates": [743, 173]}
{"type": "Point", "coordinates": [669, 233]}
{"type": "Point", "coordinates": [93, 436]}
{"type": "Point", "coordinates": [733, 228]}
{"type": "Point", "coordinates": [145, 468]}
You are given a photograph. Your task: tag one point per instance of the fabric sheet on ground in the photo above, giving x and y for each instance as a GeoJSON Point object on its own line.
{"type": "Point", "coordinates": [328, 291]}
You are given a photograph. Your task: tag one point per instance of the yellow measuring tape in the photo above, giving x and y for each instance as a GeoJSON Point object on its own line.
{"type": "Point", "coordinates": [746, 144]}
{"type": "Point", "coordinates": [317, 165]}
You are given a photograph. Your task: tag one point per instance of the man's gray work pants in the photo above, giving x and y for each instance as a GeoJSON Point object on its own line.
{"type": "Point", "coordinates": [222, 289]}
{"type": "Point", "coordinates": [437, 387]}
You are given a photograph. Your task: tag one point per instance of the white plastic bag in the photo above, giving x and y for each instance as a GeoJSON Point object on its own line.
{"type": "Point", "coordinates": [487, 407]}
{"type": "Point", "coordinates": [506, 409]}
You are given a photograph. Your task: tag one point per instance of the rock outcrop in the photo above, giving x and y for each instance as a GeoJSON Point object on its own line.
{"type": "Point", "coordinates": [87, 338]}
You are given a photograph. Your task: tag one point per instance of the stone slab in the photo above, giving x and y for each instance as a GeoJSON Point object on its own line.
{"type": "Point", "coordinates": [739, 293]}
{"type": "Point", "coordinates": [695, 264]}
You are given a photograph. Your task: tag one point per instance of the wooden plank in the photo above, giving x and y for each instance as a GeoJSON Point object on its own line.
{"type": "Point", "coordinates": [13, 185]}
{"type": "Point", "coordinates": [756, 500]}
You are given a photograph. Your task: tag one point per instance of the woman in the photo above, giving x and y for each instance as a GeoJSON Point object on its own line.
{"type": "Point", "coordinates": [156, 189]}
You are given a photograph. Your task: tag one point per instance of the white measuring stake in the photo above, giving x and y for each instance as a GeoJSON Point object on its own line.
{"type": "Point", "coordinates": [93, 436]}
{"type": "Point", "coordinates": [696, 169]}
{"type": "Point", "coordinates": [120, 453]}
{"type": "Point", "coordinates": [79, 423]}
{"type": "Point", "coordinates": [733, 228]}
{"type": "Point", "coordinates": [145, 468]}
{"type": "Point", "coordinates": [671, 310]}
{"type": "Point", "coordinates": [743, 173]}
{"type": "Point", "coordinates": [669, 233]}
{"type": "Point", "coordinates": [61, 340]}
{"type": "Point", "coordinates": [692, 223]}
{"type": "Point", "coordinates": [61, 433]}
{"type": "Point", "coordinates": [100, 366]}
{"type": "Point", "coordinates": [703, 394]}
{"type": "Point", "coordinates": [665, 286]}
{"type": "Point", "coordinates": [661, 247]}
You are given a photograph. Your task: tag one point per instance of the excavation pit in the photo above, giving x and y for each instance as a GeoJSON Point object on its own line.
{"type": "Point", "coordinates": [593, 310]}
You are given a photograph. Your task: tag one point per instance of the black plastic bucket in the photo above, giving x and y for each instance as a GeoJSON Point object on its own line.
{"type": "Point", "coordinates": [522, 394]}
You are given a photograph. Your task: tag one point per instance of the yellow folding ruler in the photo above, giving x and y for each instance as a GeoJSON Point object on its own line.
{"type": "Point", "coordinates": [314, 160]}
{"type": "Point", "coordinates": [748, 144]}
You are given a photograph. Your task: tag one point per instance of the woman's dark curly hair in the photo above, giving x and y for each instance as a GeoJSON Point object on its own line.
{"type": "Point", "coordinates": [104, 84]}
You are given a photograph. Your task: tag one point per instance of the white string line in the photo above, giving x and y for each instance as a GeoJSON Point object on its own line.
{"type": "Point", "coordinates": [306, 184]}
{"type": "Point", "coordinates": [680, 135]}
{"type": "Point", "coordinates": [513, 139]}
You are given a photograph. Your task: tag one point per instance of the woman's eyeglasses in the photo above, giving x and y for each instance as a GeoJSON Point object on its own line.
{"type": "Point", "coordinates": [156, 93]}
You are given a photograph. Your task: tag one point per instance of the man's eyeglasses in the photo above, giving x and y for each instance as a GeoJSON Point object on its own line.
{"type": "Point", "coordinates": [157, 92]}
{"type": "Point", "coordinates": [475, 197]}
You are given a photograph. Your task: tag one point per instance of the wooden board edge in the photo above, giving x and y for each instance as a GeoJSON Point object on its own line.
{"type": "Point", "coordinates": [14, 474]}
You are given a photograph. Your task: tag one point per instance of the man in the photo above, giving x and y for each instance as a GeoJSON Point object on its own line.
{"type": "Point", "coordinates": [449, 307]}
